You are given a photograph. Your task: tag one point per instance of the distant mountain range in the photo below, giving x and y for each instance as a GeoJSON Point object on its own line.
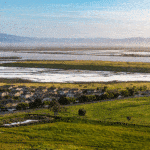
{"type": "Point", "coordinates": [6, 40]}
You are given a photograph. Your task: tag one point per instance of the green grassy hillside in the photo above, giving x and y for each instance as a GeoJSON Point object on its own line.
{"type": "Point", "coordinates": [105, 126]}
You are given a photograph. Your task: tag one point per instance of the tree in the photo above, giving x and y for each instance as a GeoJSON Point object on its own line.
{"type": "Point", "coordinates": [83, 99]}
{"type": "Point", "coordinates": [52, 103]}
{"type": "Point", "coordinates": [36, 104]}
{"type": "Point", "coordinates": [104, 89]}
{"type": "Point", "coordinates": [63, 100]}
{"type": "Point", "coordinates": [31, 105]}
{"type": "Point", "coordinates": [22, 106]}
{"type": "Point", "coordinates": [55, 106]}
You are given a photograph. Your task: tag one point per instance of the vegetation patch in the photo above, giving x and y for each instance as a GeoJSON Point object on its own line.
{"type": "Point", "coordinates": [14, 80]}
{"type": "Point", "coordinates": [90, 85]}
{"type": "Point", "coordinates": [85, 65]}
{"type": "Point", "coordinates": [9, 58]}
{"type": "Point", "coordinates": [93, 131]}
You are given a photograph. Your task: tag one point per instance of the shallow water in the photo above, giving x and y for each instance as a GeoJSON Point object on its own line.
{"type": "Point", "coordinates": [70, 76]}
{"type": "Point", "coordinates": [23, 122]}
{"type": "Point", "coordinates": [138, 53]}
{"type": "Point", "coordinates": [58, 75]}
{"type": "Point", "coordinates": [104, 55]}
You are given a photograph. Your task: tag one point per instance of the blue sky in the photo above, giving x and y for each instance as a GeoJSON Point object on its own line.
{"type": "Point", "coordinates": [75, 19]}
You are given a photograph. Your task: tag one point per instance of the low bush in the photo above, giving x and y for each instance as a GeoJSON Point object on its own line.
{"type": "Point", "coordinates": [82, 112]}
{"type": "Point", "coordinates": [129, 91]}
{"type": "Point", "coordinates": [7, 96]}
{"type": "Point", "coordinates": [125, 93]}
{"type": "Point", "coordinates": [22, 106]}
{"type": "Point", "coordinates": [36, 104]}
{"type": "Point", "coordinates": [105, 89]}
{"type": "Point", "coordinates": [143, 88]}
{"type": "Point", "coordinates": [63, 100]}
{"type": "Point", "coordinates": [82, 99]}
{"type": "Point", "coordinates": [91, 98]}
{"type": "Point", "coordinates": [56, 107]}
{"type": "Point", "coordinates": [52, 103]}
{"type": "Point", "coordinates": [16, 97]}
{"type": "Point", "coordinates": [46, 103]}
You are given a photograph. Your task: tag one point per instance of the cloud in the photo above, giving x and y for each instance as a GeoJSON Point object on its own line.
{"type": "Point", "coordinates": [70, 21]}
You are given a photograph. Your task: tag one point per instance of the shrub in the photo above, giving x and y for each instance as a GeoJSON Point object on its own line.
{"type": "Point", "coordinates": [104, 96]}
{"type": "Point", "coordinates": [55, 106]}
{"type": "Point", "coordinates": [3, 108]}
{"type": "Point", "coordinates": [22, 106]}
{"type": "Point", "coordinates": [63, 100]}
{"type": "Point", "coordinates": [143, 88]}
{"type": "Point", "coordinates": [111, 95]}
{"type": "Point", "coordinates": [71, 99]}
{"type": "Point", "coordinates": [91, 98]}
{"type": "Point", "coordinates": [16, 97]}
{"type": "Point", "coordinates": [84, 91]}
{"type": "Point", "coordinates": [83, 99]}
{"type": "Point", "coordinates": [82, 112]}
{"type": "Point", "coordinates": [129, 91]}
{"type": "Point", "coordinates": [31, 105]}
{"type": "Point", "coordinates": [116, 94]}
{"type": "Point", "coordinates": [46, 102]}
{"type": "Point", "coordinates": [104, 89]}
{"type": "Point", "coordinates": [36, 104]}
{"type": "Point", "coordinates": [52, 103]}
{"type": "Point", "coordinates": [97, 97]}
{"type": "Point", "coordinates": [132, 90]}
{"type": "Point", "coordinates": [125, 93]}
{"type": "Point", "coordinates": [97, 88]}
{"type": "Point", "coordinates": [7, 96]}
{"type": "Point", "coordinates": [129, 118]}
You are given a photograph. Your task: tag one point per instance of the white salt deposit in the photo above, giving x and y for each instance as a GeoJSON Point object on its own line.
{"type": "Point", "coordinates": [60, 75]}
{"type": "Point", "coordinates": [138, 53]}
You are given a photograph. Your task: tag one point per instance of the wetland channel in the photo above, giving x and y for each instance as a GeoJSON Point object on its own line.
{"type": "Point", "coordinates": [70, 76]}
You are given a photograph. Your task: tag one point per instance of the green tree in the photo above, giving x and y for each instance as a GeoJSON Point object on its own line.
{"type": "Point", "coordinates": [55, 107]}
{"type": "Point", "coordinates": [22, 106]}
{"type": "Point", "coordinates": [63, 100]}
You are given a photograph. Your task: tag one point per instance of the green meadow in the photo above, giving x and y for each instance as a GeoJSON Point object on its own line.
{"type": "Point", "coordinates": [91, 85]}
{"type": "Point", "coordinates": [85, 65]}
{"type": "Point", "coordinates": [105, 126]}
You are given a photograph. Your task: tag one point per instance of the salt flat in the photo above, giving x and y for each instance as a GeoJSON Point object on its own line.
{"type": "Point", "coordinates": [55, 75]}
{"type": "Point", "coordinates": [70, 76]}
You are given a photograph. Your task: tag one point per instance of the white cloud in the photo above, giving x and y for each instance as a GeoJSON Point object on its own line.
{"type": "Point", "coordinates": [77, 23]}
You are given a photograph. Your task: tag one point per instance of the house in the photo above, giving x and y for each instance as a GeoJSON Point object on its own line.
{"type": "Point", "coordinates": [70, 95]}
{"type": "Point", "coordinates": [47, 99]}
{"type": "Point", "coordinates": [63, 91]}
{"type": "Point", "coordinates": [18, 93]}
{"type": "Point", "coordinates": [4, 94]}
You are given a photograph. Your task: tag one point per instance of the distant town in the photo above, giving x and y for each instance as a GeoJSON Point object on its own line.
{"type": "Point", "coordinates": [11, 96]}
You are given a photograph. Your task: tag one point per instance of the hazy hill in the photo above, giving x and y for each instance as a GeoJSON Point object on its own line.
{"type": "Point", "coordinates": [6, 39]}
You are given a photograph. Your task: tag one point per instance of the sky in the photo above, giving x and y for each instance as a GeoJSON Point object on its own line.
{"type": "Point", "coordinates": [75, 18]}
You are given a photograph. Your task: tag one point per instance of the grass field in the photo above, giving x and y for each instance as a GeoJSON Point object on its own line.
{"type": "Point", "coordinates": [105, 125]}
{"type": "Point", "coordinates": [86, 65]}
{"type": "Point", "coordinates": [97, 130]}
{"type": "Point", "coordinates": [110, 85]}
